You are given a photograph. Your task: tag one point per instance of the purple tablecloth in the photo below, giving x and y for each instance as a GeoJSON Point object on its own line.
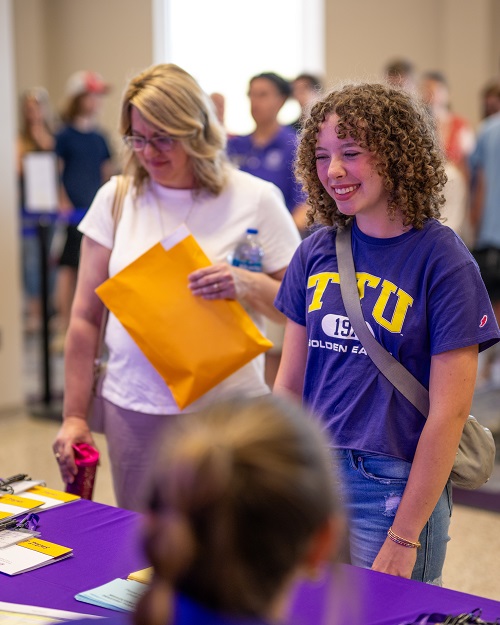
{"type": "Point", "coordinates": [106, 544]}
{"type": "Point", "coordinates": [357, 596]}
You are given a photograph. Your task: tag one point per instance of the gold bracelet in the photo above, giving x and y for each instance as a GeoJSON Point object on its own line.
{"type": "Point", "coordinates": [402, 541]}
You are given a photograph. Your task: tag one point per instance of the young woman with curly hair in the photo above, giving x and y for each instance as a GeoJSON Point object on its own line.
{"type": "Point", "coordinates": [369, 156]}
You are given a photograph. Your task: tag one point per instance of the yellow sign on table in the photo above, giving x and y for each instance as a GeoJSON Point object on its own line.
{"type": "Point", "coordinates": [50, 549]}
{"type": "Point", "coordinates": [31, 554]}
{"type": "Point", "coordinates": [13, 505]}
{"type": "Point", "coordinates": [50, 497]}
{"type": "Point", "coordinates": [144, 575]}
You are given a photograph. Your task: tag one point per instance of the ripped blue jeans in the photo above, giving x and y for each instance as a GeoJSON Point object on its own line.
{"type": "Point", "coordinates": [371, 486]}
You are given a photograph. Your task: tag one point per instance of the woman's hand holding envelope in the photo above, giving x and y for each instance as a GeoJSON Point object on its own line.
{"type": "Point", "coordinates": [214, 282]}
{"type": "Point", "coordinates": [255, 290]}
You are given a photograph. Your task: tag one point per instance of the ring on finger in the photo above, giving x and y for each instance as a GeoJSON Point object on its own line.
{"type": "Point", "coordinates": [57, 455]}
{"type": "Point", "coordinates": [216, 286]}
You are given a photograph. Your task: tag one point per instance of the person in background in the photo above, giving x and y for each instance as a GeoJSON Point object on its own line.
{"type": "Point", "coordinates": [85, 163]}
{"type": "Point", "coordinates": [269, 153]}
{"type": "Point", "coordinates": [178, 174]}
{"type": "Point", "coordinates": [457, 140]}
{"type": "Point", "coordinates": [401, 73]}
{"type": "Point", "coordinates": [219, 102]}
{"type": "Point", "coordinates": [490, 98]}
{"type": "Point", "coordinates": [455, 132]}
{"type": "Point", "coordinates": [36, 134]}
{"type": "Point", "coordinates": [415, 279]}
{"type": "Point", "coordinates": [306, 88]}
{"type": "Point", "coordinates": [241, 505]}
{"type": "Point", "coordinates": [485, 218]}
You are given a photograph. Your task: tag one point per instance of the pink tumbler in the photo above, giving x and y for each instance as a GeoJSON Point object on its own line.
{"type": "Point", "coordinates": [86, 459]}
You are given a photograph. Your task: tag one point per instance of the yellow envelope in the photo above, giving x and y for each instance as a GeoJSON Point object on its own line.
{"type": "Point", "coordinates": [193, 343]}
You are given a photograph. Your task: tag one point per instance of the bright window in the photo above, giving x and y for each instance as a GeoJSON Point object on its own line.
{"type": "Point", "coordinates": [223, 43]}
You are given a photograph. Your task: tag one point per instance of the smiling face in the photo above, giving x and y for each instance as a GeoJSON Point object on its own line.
{"type": "Point", "coordinates": [172, 168]}
{"type": "Point", "coordinates": [349, 175]}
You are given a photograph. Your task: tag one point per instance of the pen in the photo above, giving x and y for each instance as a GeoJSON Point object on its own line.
{"type": "Point", "coordinates": [7, 525]}
{"type": "Point", "coordinates": [14, 478]}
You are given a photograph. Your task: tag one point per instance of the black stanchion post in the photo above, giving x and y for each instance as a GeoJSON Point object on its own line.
{"type": "Point", "coordinates": [47, 407]}
{"type": "Point", "coordinates": [43, 231]}
{"type": "Point", "coordinates": [40, 184]}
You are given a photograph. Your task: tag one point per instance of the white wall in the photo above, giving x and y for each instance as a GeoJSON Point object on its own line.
{"type": "Point", "coordinates": [458, 37]}
{"type": "Point", "coordinates": [10, 280]}
{"type": "Point", "coordinates": [54, 38]}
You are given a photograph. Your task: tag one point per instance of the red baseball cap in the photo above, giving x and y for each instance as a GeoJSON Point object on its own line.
{"type": "Point", "coordinates": [85, 82]}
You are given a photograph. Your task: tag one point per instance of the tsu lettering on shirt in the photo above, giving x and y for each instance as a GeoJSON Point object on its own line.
{"type": "Point", "coordinates": [421, 294]}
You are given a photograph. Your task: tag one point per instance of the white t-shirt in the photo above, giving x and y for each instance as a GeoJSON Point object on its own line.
{"type": "Point", "coordinates": [217, 223]}
{"type": "Point", "coordinates": [455, 208]}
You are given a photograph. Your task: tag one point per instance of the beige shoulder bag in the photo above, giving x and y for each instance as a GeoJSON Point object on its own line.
{"type": "Point", "coordinates": [95, 416]}
{"type": "Point", "coordinates": [476, 453]}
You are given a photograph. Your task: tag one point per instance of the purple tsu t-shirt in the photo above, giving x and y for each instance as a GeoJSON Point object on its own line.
{"type": "Point", "coordinates": [421, 294]}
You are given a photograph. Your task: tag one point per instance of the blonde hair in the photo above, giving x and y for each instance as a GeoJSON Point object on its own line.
{"type": "Point", "coordinates": [239, 491]}
{"type": "Point", "coordinates": [395, 127]}
{"type": "Point", "coordinates": [41, 96]}
{"type": "Point", "coordinates": [171, 99]}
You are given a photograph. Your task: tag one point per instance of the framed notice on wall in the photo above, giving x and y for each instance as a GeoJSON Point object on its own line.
{"type": "Point", "coordinates": [40, 182]}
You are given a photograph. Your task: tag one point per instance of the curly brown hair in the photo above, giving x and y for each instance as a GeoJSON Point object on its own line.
{"type": "Point", "coordinates": [395, 127]}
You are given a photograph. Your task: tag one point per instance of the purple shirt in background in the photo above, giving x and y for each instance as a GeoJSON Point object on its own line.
{"type": "Point", "coordinates": [272, 162]}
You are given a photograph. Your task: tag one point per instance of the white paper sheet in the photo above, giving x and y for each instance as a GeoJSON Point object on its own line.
{"type": "Point", "coordinates": [18, 559]}
{"type": "Point", "coordinates": [20, 487]}
{"type": "Point", "coordinates": [120, 595]}
{"type": "Point", "coordinates": [20, 614]}
{"type": "Point", "coordinates": [12, 537]}
{"type": "Point", "coordinates": [40, 182]}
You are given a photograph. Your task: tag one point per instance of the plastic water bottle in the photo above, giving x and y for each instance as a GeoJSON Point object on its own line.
{"type": "Point", "coordinates": [248, 253]}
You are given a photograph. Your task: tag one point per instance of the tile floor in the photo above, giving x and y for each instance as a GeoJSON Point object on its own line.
{"type": "Point", "coordinates": [473, 561]}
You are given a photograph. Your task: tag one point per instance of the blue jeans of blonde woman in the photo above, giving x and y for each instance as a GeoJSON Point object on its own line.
{"type": "Point", "coordinates": [371, 486]}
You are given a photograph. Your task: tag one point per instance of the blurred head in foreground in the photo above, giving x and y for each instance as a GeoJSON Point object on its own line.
{"type": "Point", "coordinates": [243, 503]}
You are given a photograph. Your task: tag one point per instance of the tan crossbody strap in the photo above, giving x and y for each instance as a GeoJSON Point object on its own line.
{"type": "Point", "coordinates": [393, 370]}
{"type": "Point", "coordinates": [122, 184]}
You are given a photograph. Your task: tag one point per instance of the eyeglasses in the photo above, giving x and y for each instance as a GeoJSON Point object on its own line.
{"type": "Point", "coordinates": [161, 143]}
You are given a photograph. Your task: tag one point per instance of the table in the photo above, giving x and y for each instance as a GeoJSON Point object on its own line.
{"type": "Point", "coordinates": [371, 598]}
{"type": "Point", "coordinates": [106, 543]}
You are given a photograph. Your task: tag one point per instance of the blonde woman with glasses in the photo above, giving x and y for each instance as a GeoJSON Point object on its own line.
{"type": "Point", "coordinates": [178, 174]}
